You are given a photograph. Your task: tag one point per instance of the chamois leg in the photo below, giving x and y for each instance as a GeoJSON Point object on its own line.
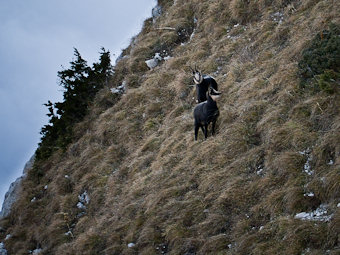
{"type": "Point", "coordinates": [196, 131]}
{"type": "Point", "coordinates": [206, 131]}
{"type": "Point", "coordinates": [213, 127]}
{"type": "Point", "coordinates": [203, 130]}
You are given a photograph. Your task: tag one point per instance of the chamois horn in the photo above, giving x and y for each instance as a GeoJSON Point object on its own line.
{"type": "Point", "coordinates": [192, 70]}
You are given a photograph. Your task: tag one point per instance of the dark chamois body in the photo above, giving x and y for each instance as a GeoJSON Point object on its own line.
{"type": "Point", "coordinates": [207, 112]}
{"type": "Point", "coordinates": [203, 86]}
{"type": "Point", "coordinates": [203, 83]}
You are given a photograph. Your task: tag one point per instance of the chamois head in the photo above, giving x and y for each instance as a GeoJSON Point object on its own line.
{"type": "Point", "coordinates": [214, 94]}
{"type": "Point", "coordinates": [197, 75]}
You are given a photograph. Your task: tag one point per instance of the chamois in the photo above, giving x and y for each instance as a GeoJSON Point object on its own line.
{"type": "Point", "coordinates": [203, 82]}
{"type": "Point", "coordinates": [206, 113]}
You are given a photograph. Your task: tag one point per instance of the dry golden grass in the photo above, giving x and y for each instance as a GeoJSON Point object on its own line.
{"type": "Point", "coordinates": [151, 184]}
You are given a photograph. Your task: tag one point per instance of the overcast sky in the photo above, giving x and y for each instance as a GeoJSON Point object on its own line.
{"type": "Point", "coordinates": [37, 38]}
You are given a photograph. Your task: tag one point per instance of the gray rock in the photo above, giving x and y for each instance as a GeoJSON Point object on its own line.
{"type": "Point", "coordinates": [14, 189]}
{"type": "Point", "coordinates": [156, 12]}
{"type": "Point", "coordinates": [3, 251]}
{"type": "Point", "coordinates": [37, 251]}
{"type": "Point", "coordinates": [120, 89]}
{"type": "Point", "coordinates": [29, 165]}
{"type": "Point", "coordinates": [152, 63]}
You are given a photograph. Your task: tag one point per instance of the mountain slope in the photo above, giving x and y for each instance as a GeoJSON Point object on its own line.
{"type": "Point", "coordinates": [136, 182]}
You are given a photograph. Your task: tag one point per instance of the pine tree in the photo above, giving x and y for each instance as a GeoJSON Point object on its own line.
{"type": "Point", "coordinates": [103, 70]}
{"type": "Point", "coordinates": [80, 83]}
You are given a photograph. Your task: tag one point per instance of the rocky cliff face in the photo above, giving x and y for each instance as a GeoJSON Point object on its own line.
{"type": "Point", "coordinates": [14, 190]}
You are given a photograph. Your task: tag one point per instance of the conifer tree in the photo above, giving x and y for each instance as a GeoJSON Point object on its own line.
{"type": "Point", "coordinates": [103, 70]}
{"type": "Point", "coordinates": [80, 83]}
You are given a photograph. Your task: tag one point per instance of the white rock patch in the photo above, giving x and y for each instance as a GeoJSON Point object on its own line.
{"type": "Point", "coordinates": [152, 63]}
{"type": "Point", "coordinates": [84, 199]}
{"type": "Point", "coordinates": [307, 166]}
{"type": "Point", "coordinates": [131, 245]}
{"type": "Point", "coordinates": [3, 251]}
{"type": "Point", "coordinates": [121, 89]}
{"type": "Point", "coordinates": [320, 214]}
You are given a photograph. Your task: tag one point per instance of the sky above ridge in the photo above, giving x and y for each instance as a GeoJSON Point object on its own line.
{"type": "Point", "coordinates": [37, 37]}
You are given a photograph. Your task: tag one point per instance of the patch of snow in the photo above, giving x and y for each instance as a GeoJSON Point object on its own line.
{"type": "Point", "coordinates": [338, 205]}
{"type": "Point", "coordinates": [79, 215]}
{"type": "Point", "coordinates": [131, 245]}
{"type": "Point", "coordinates": [206, 211]}
{"type": "Point", "coordinates": [307, 250]}
{"type": "Point", "coordinates": [230, 246]}
{"type": "Point", "coordinates": [192, 35]}
{"type": "Point", "coordinates": [8, 237]}
{"type": "Point", "coordinates": [84, 198]}
{"type": "Point", "coordinates": [167, 58]}
{"type": "Point", "coordinates": [234, 38]}
{"type": "Point", "coordinates": [320, 214]}
{"type": "Point", "coordinates": [259, 170]}
{"type": "Point", "coordinates": [307, 166]}
{"type": "Point", "coordinates": [152, 63]}
{"type": "Point", "coordinates": [158, 56]}
{"type": "Point", "coordinates": [3, 251]}
{"type": "Point", "coordinates": [236, 25]}
{"type": "Point", "coordinates": [36, 251]}
{"type": "Point", "coordinates": [33, 200]}
{"type": "Point", "coordinates": [69, 233]}
{"type": "Point", "coordinates": [331, 162]}
{"type": "Point", "coordinates": [46, 187]}
{"type": "Point", "coordinates": [120, 89]}
{"type": "Point", "coordinates": [277, 17]}
{"type": "Point", "coordinates": [310, 194]}
{"type": "Point", "coordinates": [67, 177]}
{"type": "Point", "coordinates": [261, 228]}
{"type": "Point", "coordinates": [81, 206]}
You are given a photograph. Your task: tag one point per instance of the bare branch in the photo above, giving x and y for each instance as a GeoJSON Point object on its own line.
{"type": "Point", "coordinates": [165, 28]}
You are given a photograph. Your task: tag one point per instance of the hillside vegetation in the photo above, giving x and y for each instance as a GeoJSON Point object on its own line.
{"type": "Point", "coordinates": [134, 181]}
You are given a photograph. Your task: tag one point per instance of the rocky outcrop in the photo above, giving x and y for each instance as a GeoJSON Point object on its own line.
{"type": "Point", "coordinates": [156, 12]}
{"type": "Point", "coordinates": [3, 251]}
{"type": "Point", "coordinates": [14, 190]}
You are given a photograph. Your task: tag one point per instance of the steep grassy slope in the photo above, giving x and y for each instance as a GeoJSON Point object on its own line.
{"type": "Point", "coordinates": [153, 190]}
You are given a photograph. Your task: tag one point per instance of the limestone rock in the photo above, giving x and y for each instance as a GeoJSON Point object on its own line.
{"type": "Point", "coordinates": [14, 190]}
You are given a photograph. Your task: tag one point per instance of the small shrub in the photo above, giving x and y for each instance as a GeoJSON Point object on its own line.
{"type": "Point", "coordinates": [319, 67]}
{"type": "Point", "coordinates": [104, 100]}
{"type": "Point", "coordinates": [328, 81]}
